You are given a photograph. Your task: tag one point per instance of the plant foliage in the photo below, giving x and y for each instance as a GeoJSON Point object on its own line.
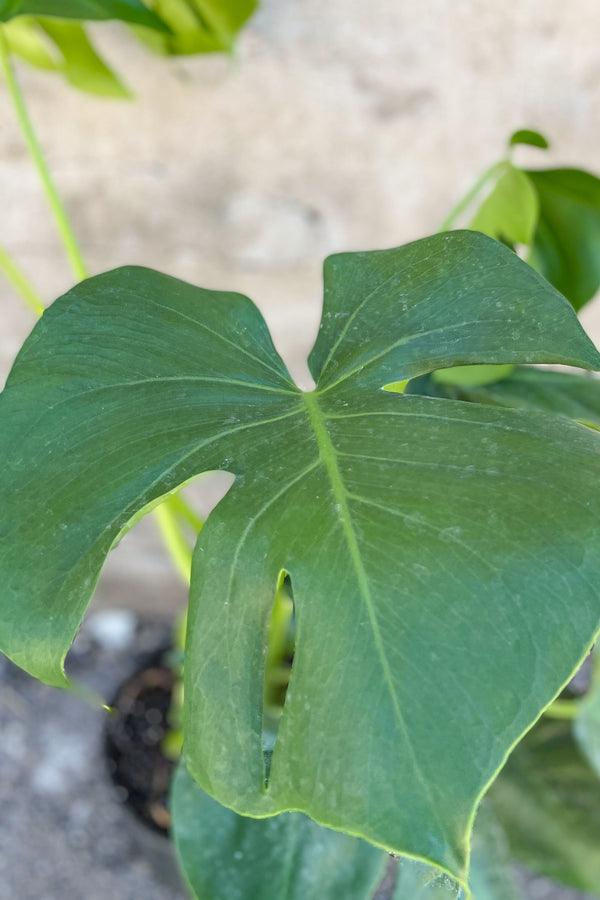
{"type": "Point", "coordinates": [411, 527]}
{"type": "Point", "coordinates": [554, 213]}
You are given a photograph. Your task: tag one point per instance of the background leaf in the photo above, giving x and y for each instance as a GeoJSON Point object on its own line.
{"type": "Point", "coordinates": [548, 800]}
{"type": "Point", "coordinates": [198, 26]}
{"type": "Point", "coordinates": [132, 11]}
{"type": "Point", "coordinates": [471, 376]}
{"type": "Point", "coordinates": [565, 394]}
{"type": "Point", "coordinates": [527, 136]}
{"type": "Point", "coordinates": [229, 857]}
{"type": "Point", "coordinates": [81, 65]}
{"type": "Point", "coordinates": [27, 39]}
{"type": "Point", "coordinates": [510, 212]}
{"type": "Point", "coordinates": [408, 525]}
{"type": "Point", "coordinates": [566, 246]}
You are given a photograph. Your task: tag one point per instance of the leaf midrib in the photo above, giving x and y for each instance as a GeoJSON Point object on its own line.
{"type": "Point", "coordinates": [328, 457]}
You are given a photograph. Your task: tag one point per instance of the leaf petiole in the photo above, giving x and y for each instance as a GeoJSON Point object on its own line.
{"type": "Point", "coordinates": [20, 282]}
{"type": "Point", "coordinates": [175, 542]}
{"type": "Point", "coordinates": [468, 198]}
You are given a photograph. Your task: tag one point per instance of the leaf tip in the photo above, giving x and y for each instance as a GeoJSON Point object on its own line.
{"type": "Point", "coordinates": [529, 137]}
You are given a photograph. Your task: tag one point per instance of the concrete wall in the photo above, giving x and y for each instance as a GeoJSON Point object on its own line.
{"type": "Point", "coordinates": [339, 125]}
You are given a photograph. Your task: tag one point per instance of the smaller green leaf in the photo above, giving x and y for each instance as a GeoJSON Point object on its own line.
{"type": "Point", "coordinates": [510, 212]}
{"type": "Point", "coordinates": [547, 798]}
{"type": "Point", "coordinates": [471, 376]}
{"type": "Point", "coordinates": [132, 11]}
{"type": "Point", "coordinates": [566, 244]}
{"type": "Point", "coordinates": [82, 66]}
{"type": "Point", "coordinates": [586, 726]}
{"type": "Point", "coordinates": [26, 39]}
{"type": "Point", "coordinates": [226, 856]}
{"type": "Point", "coordinates": [560, 393]}
{"type": "Point", "coordinates": [527, 136]}
{"type": "Point", "coordinates": [198, 26]}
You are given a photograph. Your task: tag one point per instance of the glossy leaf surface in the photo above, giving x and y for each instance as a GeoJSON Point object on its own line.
{"type": "Point", "coordinates": [229, 857]}
{"type": "Point", "coordinates": [410, 527]}
{"type": "Point", "coordinates": [566, 247]}
{"type": "Point", "coordinates": [132, 11]}
{"type": "Point", "coordinates": [548, 800]}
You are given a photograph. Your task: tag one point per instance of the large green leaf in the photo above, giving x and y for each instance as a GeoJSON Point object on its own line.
{"type": "Point", "coordinates": [548, 800]}
{"type": "Point", "coordinates": [229, 857]}
{"type": "Point", "coordinates": [443, 557]}
{"type": "Point", "coordinates": [199, 26]}
{"type": "Point", "coordinates": [132, 11]}
{"type": "Point", "coordinates": [566, 246]}
{"type": "Point", "coordinates": [565, 394]}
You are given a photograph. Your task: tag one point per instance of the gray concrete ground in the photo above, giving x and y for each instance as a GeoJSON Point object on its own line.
{"type": "Point", "coordinates": [65, 834]}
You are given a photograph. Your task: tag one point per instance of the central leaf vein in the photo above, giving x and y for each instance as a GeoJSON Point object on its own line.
{"type": "Point", "coordinates": [328, 457]}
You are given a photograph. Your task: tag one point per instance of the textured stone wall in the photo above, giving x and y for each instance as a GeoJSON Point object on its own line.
{"type": "Point", "coordinates": [338, 125]}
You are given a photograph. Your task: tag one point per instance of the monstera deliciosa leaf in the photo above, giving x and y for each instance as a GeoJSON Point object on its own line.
{"type": "Point", "coordinates": [444, 556]}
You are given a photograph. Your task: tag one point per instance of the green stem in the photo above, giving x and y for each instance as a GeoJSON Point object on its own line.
{"type": "Point", "coordinates": [172, 534]}
{"type": "Point", "coordinates": [173, 537]}
{"type": "Point", "coordinates": [178, 505]}
{"type": "Point", "coordinates": [562, 709]}
{"type": "Point", "coordinates": [58, 211]}
{"type": "Point", "coordinates": [468, 198]}
{"type": "Point", "coordinates": [20, 282]}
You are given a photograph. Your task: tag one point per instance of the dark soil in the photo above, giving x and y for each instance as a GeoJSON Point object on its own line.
{"type": "Point", "coordinates": [135, 732]}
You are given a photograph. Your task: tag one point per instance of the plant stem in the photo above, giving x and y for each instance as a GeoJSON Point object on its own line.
{"type": "Point", "coordinates": [20, 282]}
{"type": "Point", "coordinates": [178, 505]}
{"type": "Point", "coordinates": [58, 211]}
{"type": "Point", "coordinates": [562, 709]}
{"type": "Point", "coordinates": [176, 544]}
{"type": "Point", "coordinates": [468, 198]}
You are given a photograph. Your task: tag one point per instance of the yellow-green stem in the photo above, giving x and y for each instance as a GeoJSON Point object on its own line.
{"type": "Point", "coordinates": [20, 282]}
{"type": "Point", "coordinates": [175, 542]}
{"type": "Point", "coordinates": [58, 211]}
